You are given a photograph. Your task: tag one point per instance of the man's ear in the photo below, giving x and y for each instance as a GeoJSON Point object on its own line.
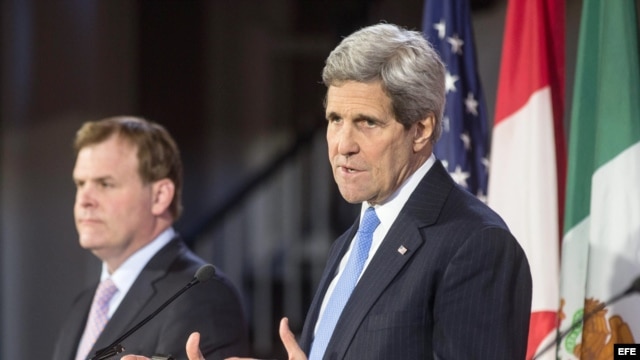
{"type": "Point", "coordinates": [423, 131]}
{"type": "Point", "coordinates": [163, 192]}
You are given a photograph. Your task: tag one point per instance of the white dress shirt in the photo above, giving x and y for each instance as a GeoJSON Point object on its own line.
{"type": "Point", "coordinates": [128, 272]}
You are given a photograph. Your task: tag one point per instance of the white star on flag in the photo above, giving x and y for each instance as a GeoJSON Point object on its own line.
{"type": "Point", "coordinates": [456, 44]}
{"type": "Point", "coordinates": [450, 81]}
{"type": "Point", "coordinates": [485, 163]}
{"type": "Point", "coordinates": [460, 177]}
{"type": "Point", "coordinates": [466, 139]}
{"type": "Point", "coordinates": [440, 27]}
{"type": "Point", "coordinates": [471, 104]}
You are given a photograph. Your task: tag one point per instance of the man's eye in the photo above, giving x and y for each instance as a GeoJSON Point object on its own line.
{"type": "Point", "coordinates": [369, 123]}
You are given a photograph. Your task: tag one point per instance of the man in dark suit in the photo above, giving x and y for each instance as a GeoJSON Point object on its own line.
{"type": "Point", "coordinates": [439, 275]}
{"type": "Point", "coordinates": [445, 279]}
{"type": "Point", "coordinates": [128, 175]}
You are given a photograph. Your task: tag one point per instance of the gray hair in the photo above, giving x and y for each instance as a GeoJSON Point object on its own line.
{"type": "Point", "coordinates": [410, 70]}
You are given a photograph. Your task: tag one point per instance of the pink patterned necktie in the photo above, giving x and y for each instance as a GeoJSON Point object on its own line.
{"type": "Point", "coordinates": [98, 317]}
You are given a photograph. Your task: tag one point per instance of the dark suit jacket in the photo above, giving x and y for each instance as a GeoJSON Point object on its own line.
{"type": "Point", "coordinates": [462, 290]}
{"type": "Point", "coordinates": [213, 308]}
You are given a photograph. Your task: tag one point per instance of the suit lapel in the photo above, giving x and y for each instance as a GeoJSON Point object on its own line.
{"type": "Point", "coordinates": [74, 326]}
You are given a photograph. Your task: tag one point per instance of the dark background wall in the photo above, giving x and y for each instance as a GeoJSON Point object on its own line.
{"type": "Point", "coordinates": [234, 80]}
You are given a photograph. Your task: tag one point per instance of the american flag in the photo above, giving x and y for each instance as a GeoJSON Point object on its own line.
{"type": "Point", "coordinates": [463, 147]}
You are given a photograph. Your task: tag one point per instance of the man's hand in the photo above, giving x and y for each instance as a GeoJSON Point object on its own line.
{"type": "Point", "coordinates": [288, 339]}
{"type": "Point", "coordinates": [193, 346]}
{"type": "Point", "coordinates": [193, 349]}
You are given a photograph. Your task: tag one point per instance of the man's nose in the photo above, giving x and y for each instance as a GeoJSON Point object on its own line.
{"type": "Point", "coordinates": [85, 196]}
{"type": "Point", "coordinates": [347, 144]}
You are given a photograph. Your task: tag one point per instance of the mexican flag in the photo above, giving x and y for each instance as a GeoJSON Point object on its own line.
{"type": "Point", "coordinates": [528, 155]}
{"type": "Point", "coordinates": [601, 242]}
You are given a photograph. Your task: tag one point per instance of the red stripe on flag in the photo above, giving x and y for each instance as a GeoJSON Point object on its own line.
{"type": "Point", "coordinates": [542, 323]}
{"type": "Point", "coordinates": [533, 58]}
{"type": "Point", "coordinates": [532, 55]}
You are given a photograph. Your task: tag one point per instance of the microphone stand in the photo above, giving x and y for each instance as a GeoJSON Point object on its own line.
{"type": "Point", "coordinates": [116, 348]}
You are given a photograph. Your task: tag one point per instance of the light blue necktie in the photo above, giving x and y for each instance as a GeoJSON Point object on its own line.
{"type": "Point", "coordinates": [345, 285]}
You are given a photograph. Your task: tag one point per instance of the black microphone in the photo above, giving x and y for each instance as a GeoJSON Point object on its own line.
{"type": "Point", "coordinates": [635, 287]}
{"type": "Point", "coordinates": [204, 273]}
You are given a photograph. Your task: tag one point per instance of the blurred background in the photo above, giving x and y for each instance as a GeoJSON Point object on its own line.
{"type": "Point", "coordinates": [237, 82]}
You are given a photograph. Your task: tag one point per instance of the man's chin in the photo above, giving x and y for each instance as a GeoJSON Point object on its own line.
{"type": "Point", "coordinates": [91, 244]}
{"type": "Point", "coordinates": [351, 198]}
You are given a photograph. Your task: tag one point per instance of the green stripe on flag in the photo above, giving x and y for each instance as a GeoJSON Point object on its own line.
{"type": "Point", "coordinates": [605, 116]}
{"type": "Point", "coordinates": [597, 261]}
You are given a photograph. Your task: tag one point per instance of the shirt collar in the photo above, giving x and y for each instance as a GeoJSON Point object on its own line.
{"type": "Point", "coordinates": [388, 212]}
{"type": "Point", "coordinates": [128, 272]}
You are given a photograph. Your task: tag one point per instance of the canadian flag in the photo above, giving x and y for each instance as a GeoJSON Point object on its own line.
{"type": "Point", "coordinates": [528, 155]}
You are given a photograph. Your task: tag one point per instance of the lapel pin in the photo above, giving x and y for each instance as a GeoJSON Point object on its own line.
{"type": "Point", "coordinates": [402, 250]}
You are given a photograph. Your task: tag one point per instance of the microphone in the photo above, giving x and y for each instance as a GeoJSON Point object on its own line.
{"type": "Point", "coordinates": [634, 287]}
{"type": "Point", "coordinates": [205, 272]}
